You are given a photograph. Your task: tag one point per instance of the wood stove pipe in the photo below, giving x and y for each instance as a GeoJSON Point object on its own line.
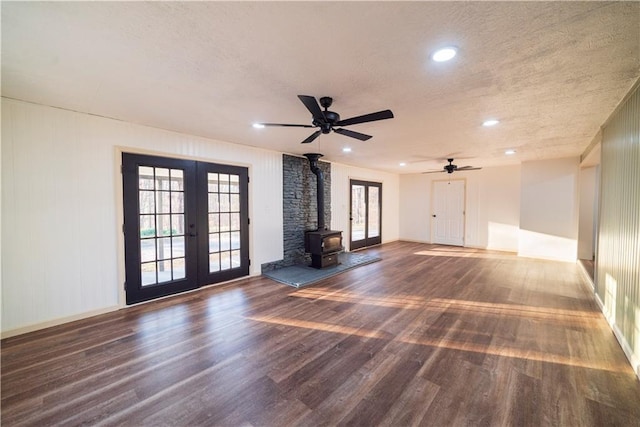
{"type": "Point", "coordinates": [313, 164]}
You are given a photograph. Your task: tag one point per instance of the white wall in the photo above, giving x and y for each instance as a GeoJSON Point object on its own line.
{"type": "Point", "coordinates": [62, 249]}
{"type": "Point", "coordinates": [62, 208]}
{"type": "Point", "coordinates": [492, 207]}
{"type": "Point", "coordinates": [62, 244]}
{"type": "Point", "coordinates": [415, 208]}
{"type": "Point", "coordinates": [499, 208]}
{"type": "Point", "coordinates": [587, 214]}
{"type": "Point", "coordinates": [549, 209]}
{"type": "Point", "coordinates": [340, 199]}
{"type": "Point", "coordinates": [617, 269]}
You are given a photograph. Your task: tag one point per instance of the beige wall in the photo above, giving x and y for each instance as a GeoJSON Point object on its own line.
{"type": "Point", "coordinates": [618, 253]}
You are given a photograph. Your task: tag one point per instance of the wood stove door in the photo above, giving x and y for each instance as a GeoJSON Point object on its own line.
{"type": "Point", "coordinates": [366, 214]}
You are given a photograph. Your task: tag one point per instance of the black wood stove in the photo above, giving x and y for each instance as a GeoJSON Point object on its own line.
{"type": "Point", "coordinates": [323, 245]}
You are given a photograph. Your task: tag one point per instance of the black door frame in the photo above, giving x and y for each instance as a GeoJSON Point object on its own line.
{"type": "Point", "coordinates": [367, 241]}
{"type": "Point", "coordinates": [196, 234]}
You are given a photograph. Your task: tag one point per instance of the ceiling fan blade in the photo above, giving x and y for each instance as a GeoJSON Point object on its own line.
{"type": "Point", "coordinates": [352, 134]}
{"type": "Point", "coordinates": [467, 168]}
{"type": "Point", "coordinates": [435, 171]}
{"type": "Point", "coordinates": [313, 106]}
{"type": "Point", "coordinates": [286, 125]}
{"type": "Point", "coordinates": [312, 137]}
{"type": "Point", "coordinates": [380, 115]}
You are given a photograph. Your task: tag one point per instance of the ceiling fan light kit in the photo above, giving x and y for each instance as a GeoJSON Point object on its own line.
{"type": "Point", "coordinates": [328, 121]}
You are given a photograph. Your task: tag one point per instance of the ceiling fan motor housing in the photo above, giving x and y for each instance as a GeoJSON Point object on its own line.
{"type": "Point", "coordinates": [326, 101]}
{"type": "Point", "coordinates": [326, 120]}
{"type": "Point", "coordinates": [331, 118]}
{"type": "Point", "coordinates": [450, 167]}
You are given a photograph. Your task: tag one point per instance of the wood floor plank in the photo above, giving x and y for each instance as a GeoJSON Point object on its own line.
{"type": "Point", "coordinates": [430, 335]}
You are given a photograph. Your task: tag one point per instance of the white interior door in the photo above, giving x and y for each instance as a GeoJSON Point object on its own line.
{"type": "Point", "coordinates": [447, 225]}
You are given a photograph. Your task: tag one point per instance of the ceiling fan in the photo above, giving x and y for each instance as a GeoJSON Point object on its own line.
{"type": "Point", "coordinates": [450, 168]}
{"type": "Point", "coordinates": [328, 120]}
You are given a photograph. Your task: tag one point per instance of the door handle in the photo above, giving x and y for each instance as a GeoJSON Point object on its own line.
{"type": "Point", "coordinates": [434, 215]}
{"type": "Point", "coordinates": [192, 232]}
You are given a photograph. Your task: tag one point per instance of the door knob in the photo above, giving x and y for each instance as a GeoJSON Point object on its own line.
{"type": "Point", "coordinates": [434, 215]}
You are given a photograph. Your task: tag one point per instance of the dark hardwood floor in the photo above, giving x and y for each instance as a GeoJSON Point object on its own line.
{"type": "Point", "coordinates": [430, 335]}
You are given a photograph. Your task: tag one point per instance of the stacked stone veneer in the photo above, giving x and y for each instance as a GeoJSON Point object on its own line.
{"type": "Point", "coordinates": [299, 207]}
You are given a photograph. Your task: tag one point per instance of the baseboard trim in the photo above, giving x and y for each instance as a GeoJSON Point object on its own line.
{"type": "Point", "coordinates": [635, 363]}
{"type": "Point", "coordinates": [632, 358]}
{"type": "Point", "coordinates": [55, 322]}
{"type": "Point", "coordinates": [587, 277]}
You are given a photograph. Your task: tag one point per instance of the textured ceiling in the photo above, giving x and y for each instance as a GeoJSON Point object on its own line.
{"type": "Point", "coordinates": [551, 72]}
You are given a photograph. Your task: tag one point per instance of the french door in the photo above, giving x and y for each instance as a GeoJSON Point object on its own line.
{"type": "Point", "coordinates": [448, 212]}
{"type": "Point", "coordinates": [366, 214]}
{"type": "Point", "coordinates": [185, 225]}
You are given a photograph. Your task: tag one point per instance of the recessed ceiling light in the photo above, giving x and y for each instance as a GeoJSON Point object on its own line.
{"type": "Point", "coordinates": [258, 125]}
{"type": "Point", "coordinates": [346, 149]}
{"type": "Point", "coordinates": [403, 164]}
{"type": "Point", "coordinates": [490, 122]}
{"type": "Point", "coordinates": [444, 54]}
{"type": "Point", "coordinates": [510, 152]}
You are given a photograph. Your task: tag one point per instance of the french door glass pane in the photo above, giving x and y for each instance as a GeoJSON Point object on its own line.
{"type": "Point", "coordinates": [213, 182]}
{"type": "Point", "coordinates": [234, 184]}
{"type": "Point", "coordinates": [178, 268]}
{"type": "Point", "coordinates": [147, 250]}
{"type": "Point", "coordinates": [235, 240]}
{"type": "Point", "coordinates": [214, 262]}
{"type": "Point", "coordinates": [162, 178]}
{"type": "Point", "coordinates": [147, 202]}
{"type": "Point", "coordinates": [161, 215]}
{"type": "Point", "coordinates": [147, 225]}
{"type": "Point", "coordinates": [148, 271]}
{"type": "Point", "coordinates": [224, 183]}
{"type": "Point", "coordinates": [164, 271]}
{"type": "Point", "coordinates": [224, 222]}
{"type": "Point", "coordinates": [214, 242]}
{"type": "Point", "coordinates": [214, 223]}
{"type": "Point", "coordinates": [146, 179]}
{"type": "Point", "coordinates": [225, 205]}
{"type": "Point", "coordinates": [224, 216]}
{"type": "Point", "coordinates": [225, 260]}
{"type": "Point", "coordinates": [214, 204]}
{"type": "Point", "coordinates": [235, 203]}
{"type": "Point", "coordinates": [374, 212]}
{"type": "Point", "coordinates": [163, 223]}
{"type": "Point", "coordinates": [358, 212]}
{"type": "Point", "coordinates": [235, 221]}
{"type": "Point", "coordinates": [235, 259]}
{"type": "Point", "coordinates": [177, 180]}
{"type": "Point", "coordinates": [177, 247]}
